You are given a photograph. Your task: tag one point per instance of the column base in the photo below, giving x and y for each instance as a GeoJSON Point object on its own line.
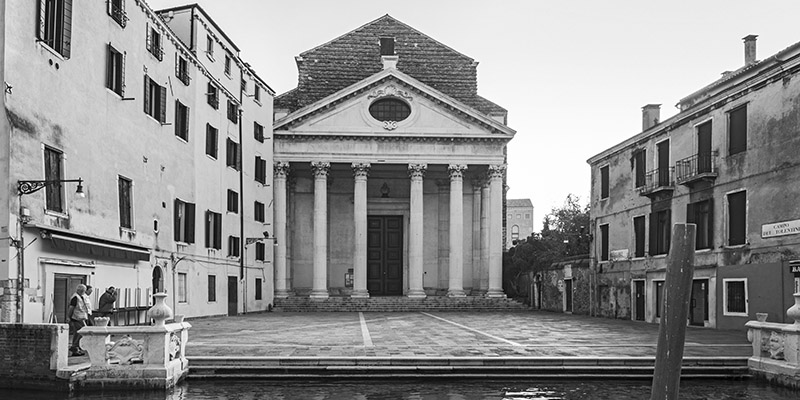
{"type": "Point", "coordinates": [360, 294]}
{"type": "Point", "coordinates": [282, 293]}
{"type": "Point", "coordinates": [495, 294]}
{"type": "Point", "coordinates": [319, 294]}
{"type": "Point", "coordinates": [456, 293]}
{"type": "Point", "coordinates": [416, 294]}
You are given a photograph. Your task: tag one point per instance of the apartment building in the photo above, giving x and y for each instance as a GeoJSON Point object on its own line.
{"type": "Point", "coordinates": [125, 106]}
{"type": "Point", "coordinates": [726, 162]}
{"type": "Point", "coordinates": [519, 220]}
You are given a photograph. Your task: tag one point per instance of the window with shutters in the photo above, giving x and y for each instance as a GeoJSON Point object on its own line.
{"type": "Point", "coordinates": [259, 211]}
{"type": "Point", "coordinates": [604, 182]}
{"type": "Point", "coordinates": [258, 132]}
{"type": "Point", "coordinates": [233, 246]}
{"type": "Point", "coordinates": [213, 230]}
{"type": "Point", "coordinates": [257, 94]}
{"type": "Point", "coordinates": [737, 130]}
{"type": "Point", "coordinates": [210, 47]}
{"type": "Point", "coordinates": [228, 63]}
{"type": "Point", "coordinates": [737, 218]}
{"type": "Point", "coordinates": [260, 251]}
{"type": "Point", "coordinates": [55, 25]}
{"type": "Point", "coordinates": [115, 70]}
{"type": "Point", "coordinates": [125, 188]}
{"type": "Point", "coordinates": [154, 42]}
{"type": "Point", "coordinates": [116, 10]}
{"type": "Point", "coordinates": [259, 289]}
{"type": "Point", "coordinates": [233, 112]}
{"type": "Point", "coordinates": [233, 201]}
{"type": "Point", "coordinates": [514, 233]}
{"type": "Point", "coordinates": [184, 221]}
{"type": "Point", "coordinates": [701, 214]}
{"type": "Point", "coordinates": [212, 96]}
{"type": "Point", "coordinates": [53, 171]}
{"type": "Point", "coordinates": [182, 69]}
{"type": "Point", "coordinates": [640, 167]}
{"type": "Point", "coordinates": [232, 154]}
{"type": "Point", "coordinates": [182, 287]}
{"type": "Point", "coordinates": [660, 230]}
{"type": "Point", "coordinates": [211, 141]}
{"type": "Point", "coordinates": [638, 236]}
{"type": "Point", "coordinates": [212, 288]}
{"type": "Point", "coordinates": [604, 242]}
{"type": "Point", "coordinates": [155, 100]}
{"type": "Point", "coordinates": [735, 297]}
{"type": "Point", "coordinates": [181, 121]}
{"type": "Point", "coordinates": [244, 86]}
{"type": "Point", "coordinates": [261, 170]}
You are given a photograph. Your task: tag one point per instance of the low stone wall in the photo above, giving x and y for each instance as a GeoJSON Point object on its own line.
{"type": "Point", "coordinates": [30, 355]}
{"type": "Point", "coordinates": [776, 348]}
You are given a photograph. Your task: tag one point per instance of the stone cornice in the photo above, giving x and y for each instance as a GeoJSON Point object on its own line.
{"type": "Point", "coordinates": [382, 137]}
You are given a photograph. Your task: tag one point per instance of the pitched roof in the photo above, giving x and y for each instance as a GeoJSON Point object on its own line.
{"type": "Point", "coordinates": [355, 56]}
{"type": "Point", "coordinates": [519, 203]}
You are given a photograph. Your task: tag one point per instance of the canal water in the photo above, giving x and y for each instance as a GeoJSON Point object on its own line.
{"type": "Point", "coordinates": [432, 390]}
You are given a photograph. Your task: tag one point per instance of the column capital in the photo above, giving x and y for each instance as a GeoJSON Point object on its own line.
{"type": "Point", "coordinates": [478, 183]}
{"type": "Point", "coordinates": [417, 171]}
{"type": "Point", "coordinates": [456, 171]}
{"type": "Point", "coordinates": [361, 170]}
{"type": "Point", "coordinates": [320, 169]}
{"type": "Point", "coordinates": [281, 169]}
{"type": "Point", "coordinates": [496, 171]}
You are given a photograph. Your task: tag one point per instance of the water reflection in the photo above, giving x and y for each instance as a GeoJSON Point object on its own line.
{"type": "Point", "coordinates": [431, 390]}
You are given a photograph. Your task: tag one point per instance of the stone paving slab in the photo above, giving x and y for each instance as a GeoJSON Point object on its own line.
{"type": "Point", "coordinates": [443, 334]}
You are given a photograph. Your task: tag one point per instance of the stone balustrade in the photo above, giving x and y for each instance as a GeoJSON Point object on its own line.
{"type": "Point", "coordinates": [776, 348]}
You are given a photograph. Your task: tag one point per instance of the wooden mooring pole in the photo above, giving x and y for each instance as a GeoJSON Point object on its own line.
{"type": "Point", "coordinates": [672, 330]}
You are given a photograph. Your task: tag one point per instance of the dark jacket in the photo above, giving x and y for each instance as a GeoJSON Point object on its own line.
{"type": "Point", "coordinates": [106, 303]}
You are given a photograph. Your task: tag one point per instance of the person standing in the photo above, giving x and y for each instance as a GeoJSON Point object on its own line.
{"type": "Point", "coordinates": [77, 314]}
{"type": "Point", "coordinates": [88, 299]}
{"type": "Point", "coordinates": [105, 306]}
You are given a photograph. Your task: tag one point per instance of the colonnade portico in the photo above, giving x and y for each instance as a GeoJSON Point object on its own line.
{"type": "Point", "coordinates": [487, 224]}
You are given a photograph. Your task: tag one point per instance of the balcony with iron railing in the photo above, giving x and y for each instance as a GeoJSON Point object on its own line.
{"type": "Point", "coordinates": [117, 12]}
{"type": "Point", "coordinates": [699, 167]}
{"type": "Point", "coordinates": [657, 181]}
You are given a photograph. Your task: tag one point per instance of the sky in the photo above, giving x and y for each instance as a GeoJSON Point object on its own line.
{"type": "Point", "coordinates": [573, 74]}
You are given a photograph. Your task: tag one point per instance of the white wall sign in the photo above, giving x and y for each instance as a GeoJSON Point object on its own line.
{"type": "Point", "coordinates": [780, 229]}
{"type": "Point", "coordinates": [618, 255]}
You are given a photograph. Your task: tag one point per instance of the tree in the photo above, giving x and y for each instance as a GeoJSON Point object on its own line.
{"type": "Point", "coordinates": [565, 233]}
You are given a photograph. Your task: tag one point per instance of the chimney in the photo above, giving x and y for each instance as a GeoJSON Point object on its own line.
{"type": "Point", "coordinates": [749, 49]}
{"type": "Point", "coordinates": [650, 115]}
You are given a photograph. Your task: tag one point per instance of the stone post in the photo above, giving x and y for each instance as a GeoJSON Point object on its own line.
{"type": "Point", "coordinates": [415, 236]}
{"type": "Point", "coordinates": [360, 173]}
{"type": "Point", "coordinates": [496, 173]}
{"type": "Point", "coordinates": [476, 236]}
{"type": "Point", "coordinates": [455, 287]}
{"type": "Point", "coordinates": [320, 279]}
{"type": "Point", "coordinates": [281, 171]}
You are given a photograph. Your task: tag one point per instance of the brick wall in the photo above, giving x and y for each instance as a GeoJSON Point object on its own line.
{"type": "Point", "coordinates": [30, 353]}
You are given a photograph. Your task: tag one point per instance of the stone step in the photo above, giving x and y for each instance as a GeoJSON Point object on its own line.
{"type": "Point", "coordinates": [492, 367]}
{"type": "Point", "coordinates": [399, 304]}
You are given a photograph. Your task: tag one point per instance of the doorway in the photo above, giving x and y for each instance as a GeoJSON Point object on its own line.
{"type": "Point", "coordinates": [233, 295]}
{"type": "Point", "coordinates": [567, 295]}
{"type": "Point", "coordinates": [704, 148]}
{"type": "Point", "coordinates": [698, 310]}
{"type": "Point", "coordinates": [385, 255]}
{"type": "Point", "coordinates": [63, 288]}
{"type": "Point", "coordinates": [639, 300]}
{"type": "Point", "coordinates": [663, 163]}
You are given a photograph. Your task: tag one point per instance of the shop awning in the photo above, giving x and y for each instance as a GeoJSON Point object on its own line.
{"type": "Point", "coordinates": [98, 248]}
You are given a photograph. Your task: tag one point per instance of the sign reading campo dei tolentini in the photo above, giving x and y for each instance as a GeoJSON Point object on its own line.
{"type": "Point", "coordinates": [780, 229]}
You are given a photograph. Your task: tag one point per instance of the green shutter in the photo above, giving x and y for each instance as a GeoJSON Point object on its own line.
{"type": "Point", "coordinates": [66, 32]}
{"type": "Point", "coordinates": [146, 94]}
{"type": "Point", "coordinates": [653, 234]}
{"type": "Point", "coordinates": [711, 223]}
{"type": "Point", "coordinates": [109, 66]}
{"type": "Point", "coordinates": [189, 213]}
{"type": "Point", "coordinates": [176, 221]}
{"type": "Point", "coordinates": [163, 104]}
{"type": "Point", "coordinates": [40, 27]}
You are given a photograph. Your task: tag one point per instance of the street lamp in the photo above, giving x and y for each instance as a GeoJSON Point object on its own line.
{"type": "Point", "coordinates": [27, 187]}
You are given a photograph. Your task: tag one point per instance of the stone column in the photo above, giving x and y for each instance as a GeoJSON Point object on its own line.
{"type": "Point", "coordinates": [455, 287]}
{"type": "Point", "coordinates": [281, 171]}
{"type": "Point", "coordinates": [320, 279]}
{"type": "Point", "coordinates": [415, 239]}
{"type": "Point", "coordinates": [360, 173]}
{"type": "Point", "coordinates": [443, 237]}
{"type": "Point", "coordinates": [485, 207]}
{"type": "Point", "coordinates": [496, 173]}
{"type": "Point", "coordinates": [477, 184]}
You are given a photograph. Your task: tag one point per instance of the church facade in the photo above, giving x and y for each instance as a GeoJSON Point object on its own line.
{"type": "Point", "coordinates": [388, 171]}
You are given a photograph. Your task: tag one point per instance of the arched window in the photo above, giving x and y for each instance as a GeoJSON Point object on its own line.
{"type": "Point", "coordinates": [515, 232]}
{"type": "Point", "coordinates": [389, 109]}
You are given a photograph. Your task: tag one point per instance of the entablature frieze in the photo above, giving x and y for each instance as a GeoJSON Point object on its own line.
{"type": "Point", "coordinates": [295, 137]}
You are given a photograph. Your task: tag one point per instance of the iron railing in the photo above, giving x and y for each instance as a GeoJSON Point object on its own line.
{"type": "Point", "coordinates": [117, 13]}
{"type": "Point", "coordinates": [700, 165]}
{"type": "Point", "coordinates": [656, 180]}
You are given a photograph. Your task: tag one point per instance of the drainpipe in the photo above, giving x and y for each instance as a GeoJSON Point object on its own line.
{"type": "Point", "coordinates": [174, 293]}
{"type": "Point", "coordinates": [243, 238]}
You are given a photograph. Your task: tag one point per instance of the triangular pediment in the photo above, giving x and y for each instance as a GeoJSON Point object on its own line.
{"type": "Point", "coordinates": [432, 113]}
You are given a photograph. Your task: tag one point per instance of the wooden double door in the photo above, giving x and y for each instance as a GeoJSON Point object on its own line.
{"type": "Point", "coordinates": [385, 255]}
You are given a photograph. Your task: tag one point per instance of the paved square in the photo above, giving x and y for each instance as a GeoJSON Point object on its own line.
{"type": "Point", "coordinates": [443, 334]}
